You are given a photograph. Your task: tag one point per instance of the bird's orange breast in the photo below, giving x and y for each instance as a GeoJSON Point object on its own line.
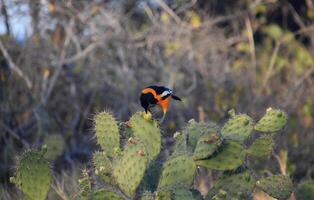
{"type": "Point", "coordinates": [164, 104]}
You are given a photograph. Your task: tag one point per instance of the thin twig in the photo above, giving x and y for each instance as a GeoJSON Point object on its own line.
{"type": "Point", "coordinates": [82, 54]}
{"type": "Point", "coordinates": [15, 135]}
{"type": "Point", "coordinates": [169, 11]}
{"type": "Point", "coordinates": [270, 67]}
{"type": "Point", "coordinates": [59, 66]}
{"type": "Point", "coordinates": [14, 67]}
{"type": "Point", "coordinates": [282, 166]}
{"type": "Point", "coordinates": [252, 44]}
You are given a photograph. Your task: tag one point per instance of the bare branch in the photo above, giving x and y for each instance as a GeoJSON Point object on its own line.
{"type": "Point", "coordinates": [14, 67]}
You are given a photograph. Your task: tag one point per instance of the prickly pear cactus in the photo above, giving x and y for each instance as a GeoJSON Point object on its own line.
{"type": "Point", "coordinates": [261, 147]}
{"type": "Point", "coordinates": [238, 186]}
{"type": "Point", "coordinates": [33, 175]}
{"type": "Point", "coordinates": [274, 120]}
{"type": "Point", "coordinates": [195, 130]}
{"type": "Point", "coordinates": [103, 194]}
{"type": "Point", "coordinates": [231, 156]}
{"type": "Point", "coordinates": [238, 128]}
{"type": "Point", "coordinates": [55, 146]}
{"type": "Point", "coordinates": [103, 166]}
{"type": "Point", "coordinates": [277, 186]}
{"type": "Point", "coordinates": [180, 146]}
{"type": "Point", "coordinates": [305, 191]}
{"type": "Point", "coordinates": [129, 169]}
{"type": "Point", "coordinates": [107, 133]}
{"type": "Point", "coordinates": [207, 145]}
{"type": "Point", "coordinates": [148, 132]}
{"type": "Point", "coordinates": [177, 171]}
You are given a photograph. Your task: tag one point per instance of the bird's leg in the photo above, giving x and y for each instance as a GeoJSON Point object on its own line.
{"type": "Point", "coordinates": [163, 117]}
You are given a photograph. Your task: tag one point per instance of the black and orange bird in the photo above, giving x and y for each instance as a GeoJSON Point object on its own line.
{"type": "Point", "coordinates": [157, 95]}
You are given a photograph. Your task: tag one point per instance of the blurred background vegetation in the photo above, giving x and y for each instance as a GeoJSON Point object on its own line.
{"type": "Point", "coordinates": [63, 61]}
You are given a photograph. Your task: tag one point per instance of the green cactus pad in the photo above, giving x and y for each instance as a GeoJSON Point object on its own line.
{"type": "Point", "coordinates": [183, 194]}
{"type": "Point", "coordinates": [305, 191]}
{"type": "Point", "coordinates": [55, 146]}
{"type": "Point", "coordinates": [148, 132]}
{"type": "Point", "coordinates": [207, 145]}
{"type": "Point", "coordinates": [107, 133]}
{"type": "Point", "coordinates": [195, 130]}
{"type": "Point", "coordinates": [164, 195]}
{"type": "Point", "coordinates": [231, 157]}
{"type": "Point", "coordinates": [130, 168]}
{"type": "Point", "coordinates": [103, 166]}
{"type": "Point", "coordinates": [33, 175]}
{"type": "Point", "coordinates": [261, 147]}
{"type": "Point", "coordinates": [103, 194]}
{"type": "Point", "coordinates": [274, 120]}
{"type": "Point", "coordinates": [238, 186]}
{"type": "Point", "coordinates": [178, 171]}
{"type": "Point", "coordinates": [180, 146]}
{"type": "Point", "coordinates": [277, 186]}
{"type": "Point", "coordinates": [238, 128]}
{"type": "Point", "coordinates": [147, 196]}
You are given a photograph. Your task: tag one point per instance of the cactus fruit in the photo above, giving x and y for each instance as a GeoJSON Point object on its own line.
{"type": "Point", "coordinates": [178, 171]}
{"type": "Point", "coordinates": [261, 147]}
{"type": "Point", "coordinates": [238, 186]}
{"type": "Point", "coordinates": [147, 116]}
{"type": "Point", "coordinates": [103, 194]}
{"type": "Point", "coordinates": [305, 191]}
{"type": "Point", "coordinates": [238, 128]}
{"type": "Point", "coordinates": [277, 186]}
{"type": "Point", "coordinates": [107, 133]}
{"type": "Point", "coordinates": [231, 156]}
{"type": "Point", "coordinates": [33, 175]}
{"type": "Point", "coordinates": [148, 132]}
{"type": "Point", "coordinates": [129, 169]}
{"type": "Point", "coordinates": [274, 120]}
{"type": "Point", "coordinates": [103, 166]}
{"type": "Point", "coordinates": [207, 145]}
{"type": "Point", "coordinates": [55, 146]}
{"type": "Point", "coordinates": [195, 130]}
